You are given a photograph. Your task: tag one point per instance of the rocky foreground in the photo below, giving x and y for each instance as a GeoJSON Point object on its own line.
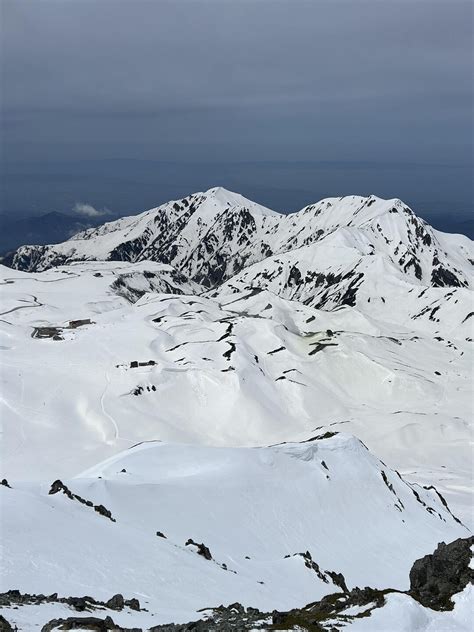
{"type": "Point", "coordinates": [434, 579]}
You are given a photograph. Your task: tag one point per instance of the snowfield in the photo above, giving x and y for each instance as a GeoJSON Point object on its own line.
{"type": "Point", "coordinates": [257, 510]}
{"type": "Point", "coordinates": [404, 614]}
{"type": "Point", "coordinates": [151, 362]}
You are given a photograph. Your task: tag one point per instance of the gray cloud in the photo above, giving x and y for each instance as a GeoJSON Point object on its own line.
{"type": "Point", "coordinates": [143, 54]}
{"type": "Point", "coordinates": [199, 81]}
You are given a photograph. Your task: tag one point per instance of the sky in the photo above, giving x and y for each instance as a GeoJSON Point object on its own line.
{"type": "Point", "coordinates": [119, 105]}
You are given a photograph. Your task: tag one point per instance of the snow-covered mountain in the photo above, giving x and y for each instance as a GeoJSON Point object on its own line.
{"type": "Point", "coordinates": [363, 252]}
{"type": "Point", "coordinates": [212, 236]}
{"type": "Point", "coordinates": [219, 327]}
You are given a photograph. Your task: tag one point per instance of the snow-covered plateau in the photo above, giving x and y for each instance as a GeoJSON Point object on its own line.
{"type": "Point", "coordinates": [214, 403]}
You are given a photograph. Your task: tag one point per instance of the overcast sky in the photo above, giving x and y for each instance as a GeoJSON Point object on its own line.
{"type": "Point", "coordinates": [123, 104]}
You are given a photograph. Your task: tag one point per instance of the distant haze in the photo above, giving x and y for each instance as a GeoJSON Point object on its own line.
{"type": "Point", "coordinates": [125, 105]}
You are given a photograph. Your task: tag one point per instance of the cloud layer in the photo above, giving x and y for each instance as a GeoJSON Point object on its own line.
{"type": "Point", "coordinates": [196, 81]}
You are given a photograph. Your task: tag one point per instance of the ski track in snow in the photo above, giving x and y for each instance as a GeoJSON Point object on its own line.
{"type": "Point", "coordinates": [104, 412]}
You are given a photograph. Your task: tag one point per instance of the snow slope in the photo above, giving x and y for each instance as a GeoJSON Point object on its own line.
{"type": "Point", "coordinates": [217, 326]}
{"type": "Point", "coordinates": [404, 614]}
{"type": "Point", "coordinates": [256, 510]}
{"type": "Point", "coordinates": [242, 369]}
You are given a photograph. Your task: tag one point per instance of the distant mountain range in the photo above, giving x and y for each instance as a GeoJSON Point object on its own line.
{"type": "Point", "coordinates": [217, 235]}
{"type": "Point", "coordinates": [56, 227]}
{"type": "Point", "coordinates": [49, 228]}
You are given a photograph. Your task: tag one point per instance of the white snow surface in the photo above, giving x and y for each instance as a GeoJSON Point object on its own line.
{"type": "Point", "coordinates": [251, 507]}
{"type": "Point", "coordinates": [246, 369]}
{"type": "Point", "coordinates": [249, 329]}
{"type": "Point", "coordinates": [401, 613]}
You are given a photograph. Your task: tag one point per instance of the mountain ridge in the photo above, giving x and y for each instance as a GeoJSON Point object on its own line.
{"type": "Point", "coordinates": [211, 236]}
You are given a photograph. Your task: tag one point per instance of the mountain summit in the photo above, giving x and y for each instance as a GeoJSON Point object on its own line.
{"type": "Point", "coordinates": [212, 236]}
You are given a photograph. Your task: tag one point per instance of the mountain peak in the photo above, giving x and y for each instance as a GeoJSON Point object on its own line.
{"type": "Point", "coordinates": [213, 236]}
{"type": "Point", "coordinates": [232, 199]}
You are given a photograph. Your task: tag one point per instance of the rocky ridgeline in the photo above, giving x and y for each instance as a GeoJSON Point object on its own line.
{"type": "Point", "coordinates": [312, 617]}
{"type": "Point", "coordinates": [117, 602]}
{"type": "Point", "coordinates": [209, 238]}
{"type": "Point", "coordinates": [86, 623]}
{"type": "Point", "coordinates": [14, 598]}
{"type": "Point", "coordinates": [434, 579]}
{"type": "Point", "coordinates": [59, 486]}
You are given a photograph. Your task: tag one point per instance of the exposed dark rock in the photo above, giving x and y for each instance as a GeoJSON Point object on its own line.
{"type": "Point", "coordinates": [441, 277]}
{"type": "Point", "coordinates": [227, 354]}
{"type": "Point", "coordinates": [442, 499]}
{"type": "Point", "coordinates": [386, 481]}
{"type": "Point", "coordinates": [202, 549]}
{"type": "Point", "coordinates": [59, 486]}
{"type": "Point", "coordinates": [5, 483]}
{"type": "Point", "coordinates": [433, 312]}
{"type": "Point", "coordinates": [435, 578]}
{"type": "Point", "coordinates": [86, 623]}
{"type": "Point", "coordinates": [4, 625]}
{"type": "Point", "coordinates": [116, 602]}
{"type": "Point", "coordinates": [276, 350]}
{"type": "Point", "coordinates": [81, 604]}
{"type": "Point", "coordinates": [294, 277]}
{"type": "Point", "coordinates": [160, 534]}
{"type": "Point", "coordinates": [313, 616]}
{"type": "Point", "coordinates": [228, 331]}
{"type": "Point", "coordinates": [325, 435]}
{"type": "Point", "coordinates": [312, 565]}
{"type": "Point", "coordinates": [78, 603]}
{"type": "Point", "coordinates": [133, 604]}
{"type": "Point", "coordinates": [103, 512]}
{"type": "Point", "coordinates": [338, 579]}
{"type": "Point", "coordinates": [319, 346]}
{"type": "Point", "coordinates": [233, 618]}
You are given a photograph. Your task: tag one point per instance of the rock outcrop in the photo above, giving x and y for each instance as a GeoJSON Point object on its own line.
{"type": "Point", "coordinates": [86, 623]}
{"type": "Point", "coordinates": [435, 578]}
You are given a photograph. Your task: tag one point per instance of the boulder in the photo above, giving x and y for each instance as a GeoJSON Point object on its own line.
{"type": "Point", "coordinates": [435, 578]}
{"type": "Point", "coordinates": [116, 602]}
